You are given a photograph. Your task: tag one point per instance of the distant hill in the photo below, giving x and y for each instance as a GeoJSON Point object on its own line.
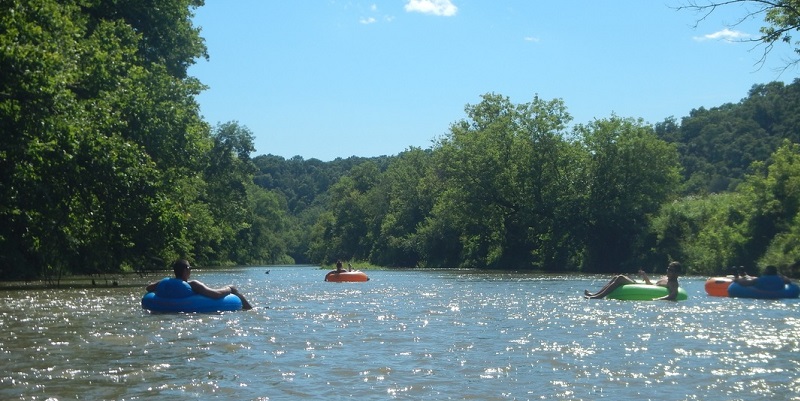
{"type": "Point", "coordinates": [718, 145]}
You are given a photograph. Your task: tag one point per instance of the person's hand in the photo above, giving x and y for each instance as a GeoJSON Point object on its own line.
{"type": "Point", "coordinates": [641, 272]}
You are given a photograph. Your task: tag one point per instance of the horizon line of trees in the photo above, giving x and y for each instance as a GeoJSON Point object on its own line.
{"type": "Point", "coordinates": [509, 188]}
{"type": "Point", "coordinates": [107, 166]}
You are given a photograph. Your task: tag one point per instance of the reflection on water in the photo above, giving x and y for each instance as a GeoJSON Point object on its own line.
{"type": "Point", "coordinates": [402, 335]}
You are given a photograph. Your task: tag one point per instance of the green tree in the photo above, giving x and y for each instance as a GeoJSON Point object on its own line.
{"type": "Point", "coordinates": [168, 37]}
{"type": "Point", "coordinates": [265, 240]}
{"type": "Point", "coordinates": [782, 19]}
{"type": "Point", "coordinates": [227, 174]}
{"type": "Point", "coordinates": [407, 203]}
{"type": "Point", "coordinates": [717, 146]}
{"type": "Point", "coordinates": [774, 192]}
{"type": "Point", "coordinates": [346, 231]}
{"type": "Point", "coordinates": [87, 181]}
{"type": "Point", "coordinates": [708, 234]}
{"type": "Point", "coordinates": [37, 56]}
{"type": "Point", "coordinates": [630, 174]}
{"type": "Point", "coordinates": [500, 171]}
{"type": "Point", "coordinates": [305, 187]}
{"type": "Point", "coordinates": [754, 225]}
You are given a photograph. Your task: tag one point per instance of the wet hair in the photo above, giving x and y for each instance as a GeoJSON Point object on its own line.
{"type": "Point", "coordinates": [770, 270]}
{"type": "Point", "coordinates": [180, 266]}
{"type": "Point", "coordinates": [675, 266]}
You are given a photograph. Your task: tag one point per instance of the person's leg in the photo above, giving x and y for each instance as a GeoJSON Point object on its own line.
{"type": "Point", "coordinates": [608, 284]}
{"type": "Point", "coordinates": [615, 283]}
{"type": "Point", "coordinates": [245, 305]}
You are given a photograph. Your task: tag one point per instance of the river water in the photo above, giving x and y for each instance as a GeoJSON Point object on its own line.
{"type": "Point", "coordinates": [434, 335]}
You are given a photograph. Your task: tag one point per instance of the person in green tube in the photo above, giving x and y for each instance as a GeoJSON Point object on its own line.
{"type": "Point", "coordinates": [670, 281]}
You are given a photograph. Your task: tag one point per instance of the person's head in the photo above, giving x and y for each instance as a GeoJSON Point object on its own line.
{"type": "Point", "coordinates": [770, 270]}
{"type": "Point", "coordinates": [181, 268]}
{"type": "Point", "coordinates": [339, 264]}
{"type": "Point", "coordinates": [674, 269]}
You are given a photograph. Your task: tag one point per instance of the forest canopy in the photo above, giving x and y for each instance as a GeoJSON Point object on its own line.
{"type": "Point", "coordinates": [107, 166]}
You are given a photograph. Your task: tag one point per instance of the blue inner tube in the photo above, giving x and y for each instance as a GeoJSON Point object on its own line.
{"type": "Point", "coordinates": [751, 291]}
{"type": "Point", "coordinates": [173, 295]}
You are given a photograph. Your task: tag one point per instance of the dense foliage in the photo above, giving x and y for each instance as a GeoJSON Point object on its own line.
{"type": "Point", "coordinates": [755, 225]}
{"type": "Point", "coordinates": [106, 165]}
{"type": "Point", "coordinates": [718, 145]}
{"type": "Point", "coordinates": [511, 187]}
{"type": "Point", "coordinates": [105, 161]}
{"type": "Point", "coordinates": [508, 187]}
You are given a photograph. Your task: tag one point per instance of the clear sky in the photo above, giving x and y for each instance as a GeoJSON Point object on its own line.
{"type": "Point", "coordinates": [328, 78]}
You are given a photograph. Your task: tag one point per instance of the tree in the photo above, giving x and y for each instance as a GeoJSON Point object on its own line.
{"type": "Point", "coordinates": [754, 225]}
{"type": "Point", "coordinates": [502, 174]}
{"type": "Point", "coordinates": [227, 174]}
{"type": "Point", "coordinates": [266, 238]}
{"type": "Point", "coordinates": [100, 131]}
{"type": "Point", "coordinates": [774, 193]}
{"type": "Point", "coordinates": [782, 18]}
{"type": "Point", "coordinates": [408, 203]}
{"type": "Point", "coordinates": [718, 146]}
{"type": "Point", "coordinates": [38, 116]}
{"type": "Point", "coordinates": [168, 37]}
{"type": "Point", "coordinates": [707, 233]}
{"type": "Point", "coordinates": [346, 230]}
{"type": "Point", "coordinates": [630, 173]}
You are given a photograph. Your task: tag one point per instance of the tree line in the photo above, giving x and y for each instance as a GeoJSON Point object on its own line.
{"type": "Point", "coordinates": [511, 186]}
{"type": "Point", "coordinates": [106, 165]}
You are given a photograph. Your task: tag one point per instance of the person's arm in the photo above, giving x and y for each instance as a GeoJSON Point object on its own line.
{"type": "Point", "coordinates": [644, 276]}
{"type": "Point", "coordinates": [151, 287]}
{"type": "Point", "coordinates": [745, 281]}
{"type": "Point", "coordinates": [671, 296]}
{"type": "Point", "coordinates": [215, 293]}
{"type": "Point", "coordinates": [672, 293]}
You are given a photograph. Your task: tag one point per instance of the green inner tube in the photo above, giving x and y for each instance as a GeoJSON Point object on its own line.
{"type": "Point", "coordinates": [643, 292]}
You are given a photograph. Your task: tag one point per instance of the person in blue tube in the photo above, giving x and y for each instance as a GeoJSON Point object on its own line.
{"type": "Point", "coordinates": [770, 280]}
{"type": "Point", "coordinates": [183, 270]}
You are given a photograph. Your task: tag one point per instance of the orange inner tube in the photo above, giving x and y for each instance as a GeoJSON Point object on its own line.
{"type": "Point", "coordinates": [345, 276]}
{"type": "Point", "coordinates": [718, 286]}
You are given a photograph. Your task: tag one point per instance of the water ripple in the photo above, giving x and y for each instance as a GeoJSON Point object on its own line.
{"type": "Point", "coordinates": [403, 335]}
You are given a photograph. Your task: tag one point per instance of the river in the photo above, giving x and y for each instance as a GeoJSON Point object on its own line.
{"type": "Point", "coordinates": [434, 335]}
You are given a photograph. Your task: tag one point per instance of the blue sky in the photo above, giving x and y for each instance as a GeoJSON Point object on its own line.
{"type": "Point", "coordinates": [327, 78]}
